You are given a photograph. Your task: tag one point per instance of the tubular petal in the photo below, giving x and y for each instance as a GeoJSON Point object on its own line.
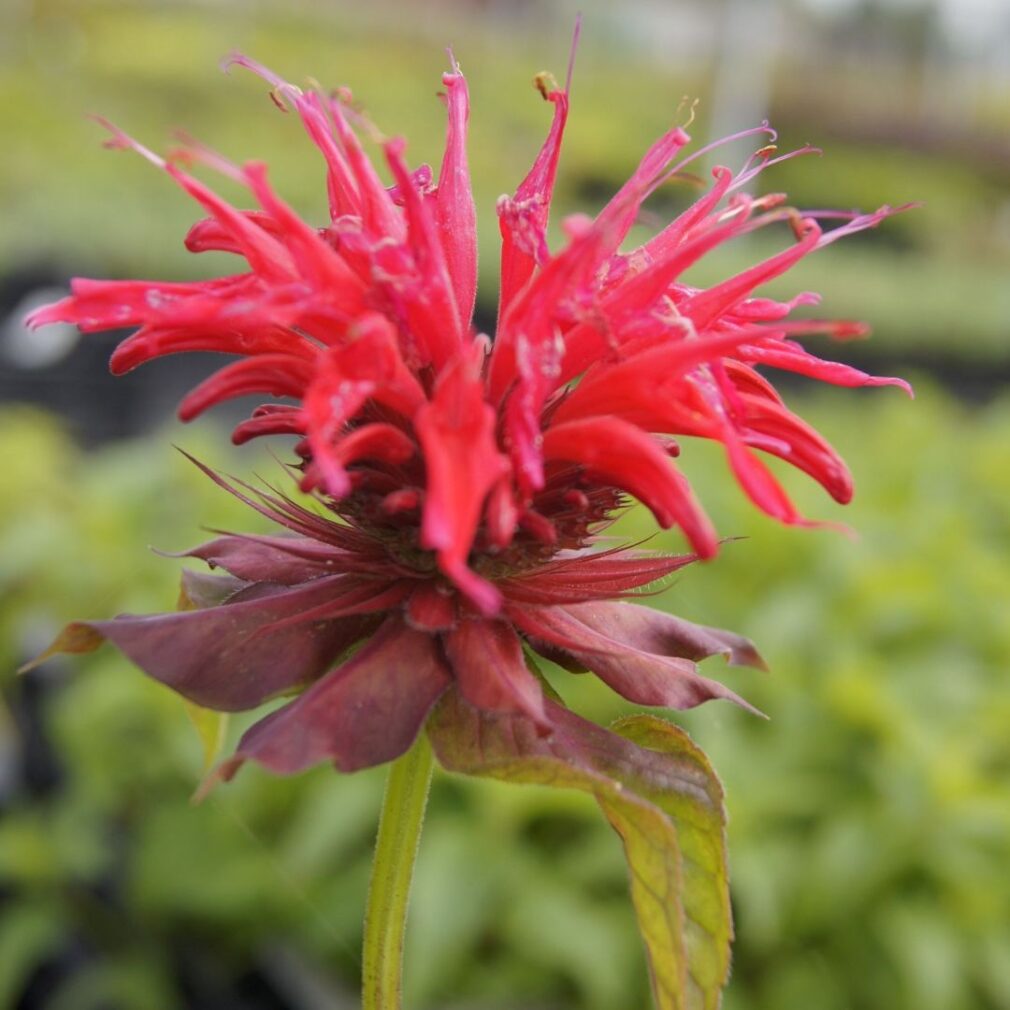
{"type": "Point", "coordinates": [277, 374]}
{"type": "Point", "coordinates": [705, 306]}
{"type": "Point", "coordinates": [437, 319]}
{"type": "Point", "coordinates": [454, 206]}
{"type": "Point", "coordinates": [153, 341]}
{"type": "Point", "coordinates": [522, 219]}
{"type": "Point", "coordinates": [456, 430]}
{"type": "Point", "coordinates": [625, 456]}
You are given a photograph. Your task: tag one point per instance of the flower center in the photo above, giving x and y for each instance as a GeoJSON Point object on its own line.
{"type": "Point", "coordinates": [566, 515]}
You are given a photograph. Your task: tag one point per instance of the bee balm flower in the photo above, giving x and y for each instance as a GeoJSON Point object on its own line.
{"type": "Point", "coordinates": [462, 479]}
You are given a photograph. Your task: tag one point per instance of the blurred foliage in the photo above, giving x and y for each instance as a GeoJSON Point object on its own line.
{"type": "Point", "coordinates": [870, 818]}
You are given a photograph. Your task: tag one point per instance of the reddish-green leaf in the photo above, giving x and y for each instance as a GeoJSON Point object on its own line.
{"type": "Point", "coordinates": [693, 801]}
{"type": "Point", "coordinates": [660, 794]}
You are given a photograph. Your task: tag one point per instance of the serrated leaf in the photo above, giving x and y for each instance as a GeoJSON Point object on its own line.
{"type": "Point", "coordinates": [658, 791]}
{"type": "Point", "coordinates": [696, 809]}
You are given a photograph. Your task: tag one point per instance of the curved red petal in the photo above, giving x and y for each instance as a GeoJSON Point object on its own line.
{"type": "Point", "coordinates": [623, 455]}
{"type": "Point", "coordinates": [276, 374]}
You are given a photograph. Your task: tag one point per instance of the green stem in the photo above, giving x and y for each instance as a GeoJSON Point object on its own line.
{"type": "Point", "coordinates": [392, 870]}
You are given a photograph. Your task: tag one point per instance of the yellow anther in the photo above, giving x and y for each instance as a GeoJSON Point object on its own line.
{"type": "Point", "coordinates": [545, 83]}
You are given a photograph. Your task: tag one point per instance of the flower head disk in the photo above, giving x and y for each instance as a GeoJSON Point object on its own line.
{"type": "Point", "coordinates": [463, 479]}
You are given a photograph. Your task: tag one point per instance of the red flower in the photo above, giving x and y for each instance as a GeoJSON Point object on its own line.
{"type": "Point", "coordinates": [466, 477]}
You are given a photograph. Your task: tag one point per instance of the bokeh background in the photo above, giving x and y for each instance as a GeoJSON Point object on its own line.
{"type": "Point", "coordinates": [870, 833]}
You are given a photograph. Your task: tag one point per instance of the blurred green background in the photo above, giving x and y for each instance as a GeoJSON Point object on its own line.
{"type": "Point", "coordinates": [870, 818]}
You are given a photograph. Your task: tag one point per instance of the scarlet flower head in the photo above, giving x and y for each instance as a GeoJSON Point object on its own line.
{"type": "Point", "coordinates": [462, 479]}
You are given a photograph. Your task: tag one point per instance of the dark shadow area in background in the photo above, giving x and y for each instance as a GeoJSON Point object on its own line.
{"type": "Point", "coordinates": [98, 407]}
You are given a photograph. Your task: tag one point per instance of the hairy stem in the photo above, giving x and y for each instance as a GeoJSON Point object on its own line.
{"type": "Point", "coordinates": [392, 871]}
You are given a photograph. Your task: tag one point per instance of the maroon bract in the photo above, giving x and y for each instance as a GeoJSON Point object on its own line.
{"type": "Point", "coordinates": [463, 479]}
{"type": "Point", "coordinates": [292, 609]}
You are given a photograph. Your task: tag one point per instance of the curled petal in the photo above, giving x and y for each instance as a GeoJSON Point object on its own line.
{"type": "Point", "coordinates": [281, 422]}
{"type": "Point", "coordinates": [795, 441]}
{"type": "Point", "coordinates": [155, 341]}
{"type": "Point", "coordinates": [626, 457]}
{"type": "Point", "coordinates": [378, 441]}
{"type": "Point", "coordinates": [276, 374]}
{"type": "Point", "coordinates": [209, 236]}
{"type": "Point", "coordinates": [793, 358]}
{"type": "Point", "coordinates": [265, 254]}
{"type": "Point", "coordinates": [758, 482]}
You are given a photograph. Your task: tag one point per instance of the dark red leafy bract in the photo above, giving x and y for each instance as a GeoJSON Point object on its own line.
{"type": "Point", "coordinates": [366, 711]}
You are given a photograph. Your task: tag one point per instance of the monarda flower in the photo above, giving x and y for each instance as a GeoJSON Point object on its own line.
{"type": "Point", "coordinates": [459, 481]}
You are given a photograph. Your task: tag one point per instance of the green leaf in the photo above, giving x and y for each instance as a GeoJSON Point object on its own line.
{"type": "Point", "coordinates": [659, 793]}
{"type": "Point", "coordinates": [695, 805]}
{"type": "Point", "coordinates": [211, 727]}
{"type": "Point", "coordinates": [30, 931]}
